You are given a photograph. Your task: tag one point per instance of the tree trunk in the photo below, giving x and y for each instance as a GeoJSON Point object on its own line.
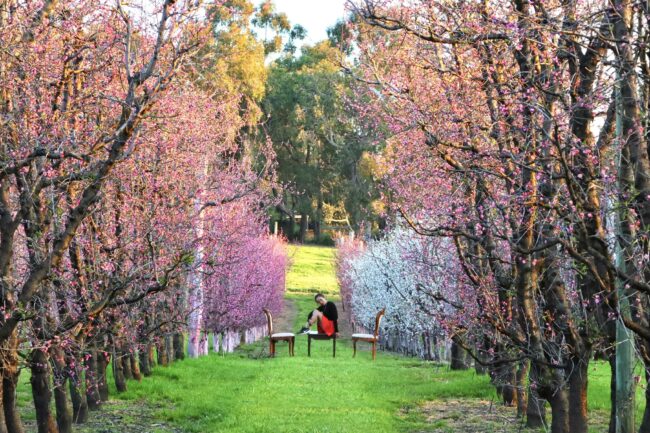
{"type": "Point", "coordinates": [10, 374]}
{"type": "Point", "coordinates": [150, 354]}
{"type": "Point", "coordinates": [163, 352]}
{"type": "Point", "coordinates": [291, 228]}
{"type": "Point", "coordinates": [179, 346]}
{"type": "Point", "coordinates": [559, 412]}
{"type": "Point", "coordinates": [92, 383]}
{"type": "Point", "coordinates": [41, 391]}
{"type": "Point", "coordinates": [78, 397]}
{"type": "Point", "coordinates": [458, 357]}
{"type": "Point", "coordinates": [520, 385]}
{"type": "Point", "coordinates": [535, 410]}
{"type": "Point", "coordinates": [304, 225]}
{"type": "Point", "coordinates": [63, 414]}
{"type": "Point", "coordinates": [135, 368]}
{"type": "Point", "coordinates": [169, 346]}
{"type": "Point", "coordinates": [479, 368]}
{"type": "Point", "coordinates": [508, 379]}
{"type": "Point", "coordinates": [145, 366]}
{"type": "Point", "coordinates": [102, 381]}
{"type": "Point", "coordinates": [77, 391]}
{"type": "Point", "coordinates": [578, 378]}
{"type": "Point", "coordinates": [126, 364]}
{"type": "Point", "coordinates": [482, 349]}
{"type": "Point", "coordinates": [3, 423]}
{"type": "Point", "coordinates": [118, 371]}
{"type": "Point", "coordinates": [318, 219]}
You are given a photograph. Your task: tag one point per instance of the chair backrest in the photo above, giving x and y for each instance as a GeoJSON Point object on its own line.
{"type": "Point", "coordinates": [269, 320]}
{"type": "Point", "coordinates": [378, 321]}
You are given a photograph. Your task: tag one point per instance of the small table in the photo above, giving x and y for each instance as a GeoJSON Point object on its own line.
{"type": "Point", "coordinates": [316, 336]}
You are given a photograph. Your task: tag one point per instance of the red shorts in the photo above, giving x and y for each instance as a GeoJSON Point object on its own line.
{"type": "Point", "coordinates": [325, 326]}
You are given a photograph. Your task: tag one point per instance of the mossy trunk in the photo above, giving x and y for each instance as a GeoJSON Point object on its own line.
{"type": "Point", "coordinates": [151, 349]}
{"type": "Point", "coordinates": [145, 366]}
{"type": "Point", "coordinates": [179, 346]}
{"type": "Point", "coordinates": [520, 385]}
{"type": "Point", "coordinates": [91, 381]}
{"type": "Point", "coordinates": [10, 374]}
{"type": "Point", "coordinates": [126, 364]}
{"type": "Point", "coordinates": [61, 400]}
{"type": "Point", "coordinates": [135, 368]}
{"type": "Point", "coordinates": [578, 382]}
{"type": "Point", "coordinates": [103, 359]}
{"type": "Point", "coordinates": [41, 391]}
{"type": "Point", "coordinates": [118, 371]}
{"type": "Point", "coordinates": [458, 357]}
{"type": "Point", "coordinates": [535, 410]}
{"type": "Point", "coordinates": [161, 350]}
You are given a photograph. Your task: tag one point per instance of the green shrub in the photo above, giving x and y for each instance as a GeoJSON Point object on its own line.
{"type": "Point", "coordinates": [325, 239]}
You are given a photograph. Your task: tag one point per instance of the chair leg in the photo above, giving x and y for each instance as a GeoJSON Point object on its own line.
{"type": "Point", "coordinates": [354, 347]}
{"type": "Point", "coordinates": [334, 348]}
{"type": "Point", "coordinates": [291, 345]}
{"type": "Point", "coordinates": [309, 345]}
{"type": "Point", "coordinates": [374, 350]}
{"type": "Point", "coordinates": [272, 349]}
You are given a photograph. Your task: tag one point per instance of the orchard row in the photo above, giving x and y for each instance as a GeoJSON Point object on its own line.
{"type": "Point", "coordinates": [129, 205]}
{"type": "Point", "coordinates": [517, 155]}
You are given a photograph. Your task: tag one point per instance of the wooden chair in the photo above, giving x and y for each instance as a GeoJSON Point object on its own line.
{"type": "Point", "coordinates": [313, 335]}
{"type": "Point", "coordinates": [280, 336]}
{"type": "Point", "coordinates": [370, 338]}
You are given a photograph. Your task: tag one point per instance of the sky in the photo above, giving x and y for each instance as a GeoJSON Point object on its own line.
{"type": "Point", "coordinates": [314, 15]}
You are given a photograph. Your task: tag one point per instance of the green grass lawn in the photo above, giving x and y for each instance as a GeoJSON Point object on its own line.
{"type": "Point", "coordinates": [239, 393]}
{"type": "Point", "coordinates": [248, 392]}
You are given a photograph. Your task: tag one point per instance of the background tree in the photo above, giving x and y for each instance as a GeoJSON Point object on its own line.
{"type": "Point", "coordinates": [323, 146]}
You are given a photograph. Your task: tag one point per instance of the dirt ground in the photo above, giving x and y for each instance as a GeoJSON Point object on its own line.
{"type": "Point", "coordinates": [479, 416]}
{"type": "Point", "coordinates": [466, 416]}
{"type": "Point", "coordinates": [120, 417]}
{"type": "Point", "coordinates": [284, 322]}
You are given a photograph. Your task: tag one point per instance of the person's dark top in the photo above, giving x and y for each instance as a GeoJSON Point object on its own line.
{"type": "Point", "coordinates": [329, 310]}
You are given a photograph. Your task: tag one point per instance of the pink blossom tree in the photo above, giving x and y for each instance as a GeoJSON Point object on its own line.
{"type": "Point", "coordinates": [101, 197]}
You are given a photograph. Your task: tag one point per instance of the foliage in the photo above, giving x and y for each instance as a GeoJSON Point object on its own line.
{"type": "Point", "coordinates": [414, 278]}
{"type": "Point", "coordinates": [239, 287]}
{"type": "Point", "coordinates": [325, 239]}
{"type": "Point", "coordinates": [319, 140]}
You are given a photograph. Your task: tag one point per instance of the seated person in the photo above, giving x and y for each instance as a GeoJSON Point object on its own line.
{"type": "Point", "coordinates": [326, 317]}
